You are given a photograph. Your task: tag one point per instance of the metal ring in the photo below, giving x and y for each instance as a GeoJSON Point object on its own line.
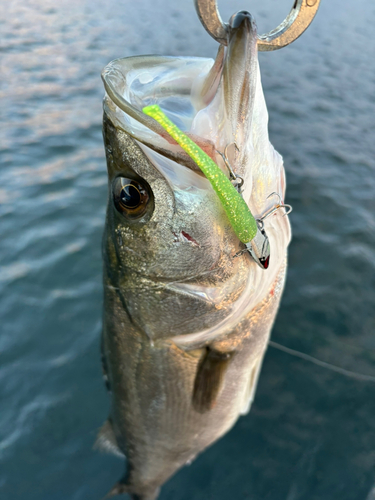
{"type": "Point", "coordinates": [298, 20]}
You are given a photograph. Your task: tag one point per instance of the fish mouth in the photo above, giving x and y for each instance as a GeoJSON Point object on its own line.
{"type": "Point", "coordinates": [219, 104]}
{"type": "Point", "coordinates": [189, 91]}
{"type": "Point", "coordinates": [171, 82]}
{"type": "Point", "coordinates": [242, 17]}
{"type": "Point", "coordinates": [212, 101]}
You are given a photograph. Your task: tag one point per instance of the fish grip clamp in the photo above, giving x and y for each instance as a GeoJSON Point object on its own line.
{"type": "Point", "coordinates": [297, 21]}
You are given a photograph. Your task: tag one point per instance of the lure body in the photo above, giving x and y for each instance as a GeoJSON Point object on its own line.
{"type": "Point", "coordinates": [186, 323]}
{"type": "Point", "coordinates": [238, 213]}
{"type": "Point", "coordinates": [242, 221]}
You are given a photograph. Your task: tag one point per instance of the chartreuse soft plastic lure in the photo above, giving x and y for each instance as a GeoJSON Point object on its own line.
{"type": "Point", "coordinates": [241, 219]}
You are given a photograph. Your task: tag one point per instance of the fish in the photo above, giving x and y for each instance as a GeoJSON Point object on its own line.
{"type": "Point", "coordinates": [187, 312]}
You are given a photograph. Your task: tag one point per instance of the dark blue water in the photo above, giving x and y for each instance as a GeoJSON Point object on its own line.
{"type": "Point", "coordinates": [311, 432]}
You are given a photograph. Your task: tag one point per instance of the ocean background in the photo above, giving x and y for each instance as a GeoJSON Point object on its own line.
{"type": "Point", "coordinates": [311, 432]}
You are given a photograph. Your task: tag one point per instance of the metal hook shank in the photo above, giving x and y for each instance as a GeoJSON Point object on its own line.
{"type": "Point", "coordinates": [298, 20]}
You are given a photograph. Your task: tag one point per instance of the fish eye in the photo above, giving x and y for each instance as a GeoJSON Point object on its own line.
{"type": "Point", "coordinates": [130, 197]}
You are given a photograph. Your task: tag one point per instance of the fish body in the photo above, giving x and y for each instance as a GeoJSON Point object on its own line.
{"type": "Point", "coordinates": [186, 320]}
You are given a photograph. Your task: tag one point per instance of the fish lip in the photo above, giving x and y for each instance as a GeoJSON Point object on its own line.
{"type": "Point", "coordinates": [115, 76]}
{"type": "Point", "coordinates": [242, 17]}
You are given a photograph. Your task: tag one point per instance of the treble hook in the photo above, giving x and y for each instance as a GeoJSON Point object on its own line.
{"type": "Point", "coordinates": [297, 21]}
{"type": "Point", "coordinates": [275, 208]}
{"type": "Point", "coordinates": [237, 180]}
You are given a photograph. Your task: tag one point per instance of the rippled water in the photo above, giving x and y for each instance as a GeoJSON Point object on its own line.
{"type": "Point", "coordinates": [311, 432]}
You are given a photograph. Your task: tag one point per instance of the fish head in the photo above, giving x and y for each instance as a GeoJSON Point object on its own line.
{"type": "Point", "coordinates": [163, 219]}
{"type": "Point", "coordinates": [165, 223]}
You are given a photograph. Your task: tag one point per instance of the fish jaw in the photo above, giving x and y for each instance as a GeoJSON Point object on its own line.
{"type": "Point", "coordinates": [240, 79]}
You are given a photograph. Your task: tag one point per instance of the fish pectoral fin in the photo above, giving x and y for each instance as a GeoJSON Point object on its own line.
{"type": "Point", "coordinates": [106, 440]}
{"type": "Point", "coordinates": [123, 489]}
{"type": "Point", "coordinates": [209, 379]}
{"type": "Point", "coordinates": [118, 489]}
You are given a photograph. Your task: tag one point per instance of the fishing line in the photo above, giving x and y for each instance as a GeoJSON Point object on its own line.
{"type": "Point", "coordinates": [348, 373]}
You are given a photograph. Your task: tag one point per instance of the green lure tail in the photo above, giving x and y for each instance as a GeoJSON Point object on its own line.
{"type": "Point", "coordinates": [238, 213]}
